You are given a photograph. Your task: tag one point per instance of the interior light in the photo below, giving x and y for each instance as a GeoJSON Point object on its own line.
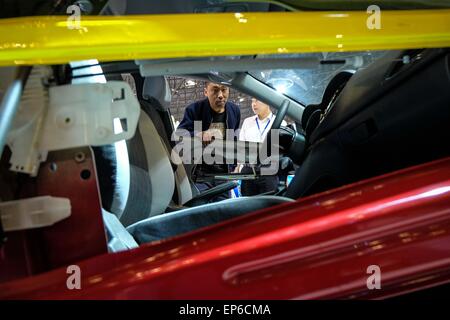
{"type": "Point", "coordinates": [189, 83]}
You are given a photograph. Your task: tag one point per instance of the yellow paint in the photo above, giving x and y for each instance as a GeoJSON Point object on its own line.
{"type": "Point", "coordinates": [48, 40]}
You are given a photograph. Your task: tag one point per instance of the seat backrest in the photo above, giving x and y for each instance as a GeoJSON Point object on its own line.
{"type": "Point", "coordinates": [154, 179]}
{"type": "Point", "coordinates": [157, 96]}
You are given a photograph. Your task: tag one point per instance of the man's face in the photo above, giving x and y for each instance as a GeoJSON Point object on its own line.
{"type": "Point", "coordinates": [259, 107]}
{"type": "Point", "coordinates": [217, 95]}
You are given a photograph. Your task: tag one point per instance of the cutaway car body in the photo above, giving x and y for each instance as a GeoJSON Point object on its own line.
{"type": "Point", "coordinates": [93, 180]}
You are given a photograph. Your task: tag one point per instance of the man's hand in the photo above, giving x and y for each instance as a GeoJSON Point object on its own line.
{"type": "Point", "coordinates": [209, 135]}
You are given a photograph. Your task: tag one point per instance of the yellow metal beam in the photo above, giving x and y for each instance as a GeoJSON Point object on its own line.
{"type": "Point", "coordinates": [48, 40]}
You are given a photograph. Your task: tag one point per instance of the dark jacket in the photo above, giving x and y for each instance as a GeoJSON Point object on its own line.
{"type": "Point", "coordinates": [201, 111]}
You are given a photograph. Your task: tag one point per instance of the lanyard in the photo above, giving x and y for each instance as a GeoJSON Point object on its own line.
{"type": "Point", "coordinates": [259, 129]}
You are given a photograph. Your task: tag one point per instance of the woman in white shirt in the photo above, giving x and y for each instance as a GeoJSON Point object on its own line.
{"type": "Point", "coordinates": [255, 129]}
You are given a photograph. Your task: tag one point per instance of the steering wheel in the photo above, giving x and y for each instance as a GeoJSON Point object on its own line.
{"type": "Point", "coordinates": [281, 113]}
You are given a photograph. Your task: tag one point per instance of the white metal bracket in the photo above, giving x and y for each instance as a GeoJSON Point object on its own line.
{"type": "Point", "coordinates": [69, 116]}
{"type": "Point", "coordinates": [33, 212]}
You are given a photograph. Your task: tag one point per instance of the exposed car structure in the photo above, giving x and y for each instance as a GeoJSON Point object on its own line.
{"type": "Point", "coordinates": [91, 175]}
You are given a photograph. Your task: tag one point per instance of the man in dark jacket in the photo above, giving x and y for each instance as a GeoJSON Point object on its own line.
{"type": "Point", "coordinates": [216, 115]}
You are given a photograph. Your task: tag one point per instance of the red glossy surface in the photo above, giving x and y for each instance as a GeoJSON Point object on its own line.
{"type": "Point", "coordinates": [318, 247]}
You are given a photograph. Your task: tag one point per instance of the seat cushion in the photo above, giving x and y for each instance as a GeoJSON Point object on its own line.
{"type": "Point", "coordinates": [186, 220]}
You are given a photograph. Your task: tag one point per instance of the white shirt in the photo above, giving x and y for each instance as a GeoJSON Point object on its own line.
{"type": "Point", "coordinates": [255, 130]}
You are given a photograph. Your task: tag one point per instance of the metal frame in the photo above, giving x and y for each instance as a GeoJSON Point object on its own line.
{"type": "Point", "coordinates": [48, 40]}
{"type": "Point", "coordinates": [150, 68]}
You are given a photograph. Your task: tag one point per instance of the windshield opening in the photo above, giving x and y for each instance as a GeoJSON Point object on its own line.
{"type": "Point", "coordinates": [307, 84]}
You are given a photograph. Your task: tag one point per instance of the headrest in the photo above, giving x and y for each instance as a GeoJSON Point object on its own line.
{"type": "Point", "coordinates": [312, 113]}
{"type": "Point", "coordinates": [157, 88]}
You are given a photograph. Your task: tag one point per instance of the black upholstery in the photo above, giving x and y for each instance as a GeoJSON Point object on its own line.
{"type": "Point", "coordinates": [179, 222]}
{"type": "Point", "coordinates": [387, 117]}
{"type": "Point", "coordinates": [313, 112]}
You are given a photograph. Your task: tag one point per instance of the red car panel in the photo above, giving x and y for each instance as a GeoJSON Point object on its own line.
{"type": "Point", "coordinates": [318, 247]}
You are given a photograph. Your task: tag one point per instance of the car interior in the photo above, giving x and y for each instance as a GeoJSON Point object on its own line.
{"type": "Point", "coordinates": [386, 116]}
{"type": "Point", "coordinates": [373, 119]}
